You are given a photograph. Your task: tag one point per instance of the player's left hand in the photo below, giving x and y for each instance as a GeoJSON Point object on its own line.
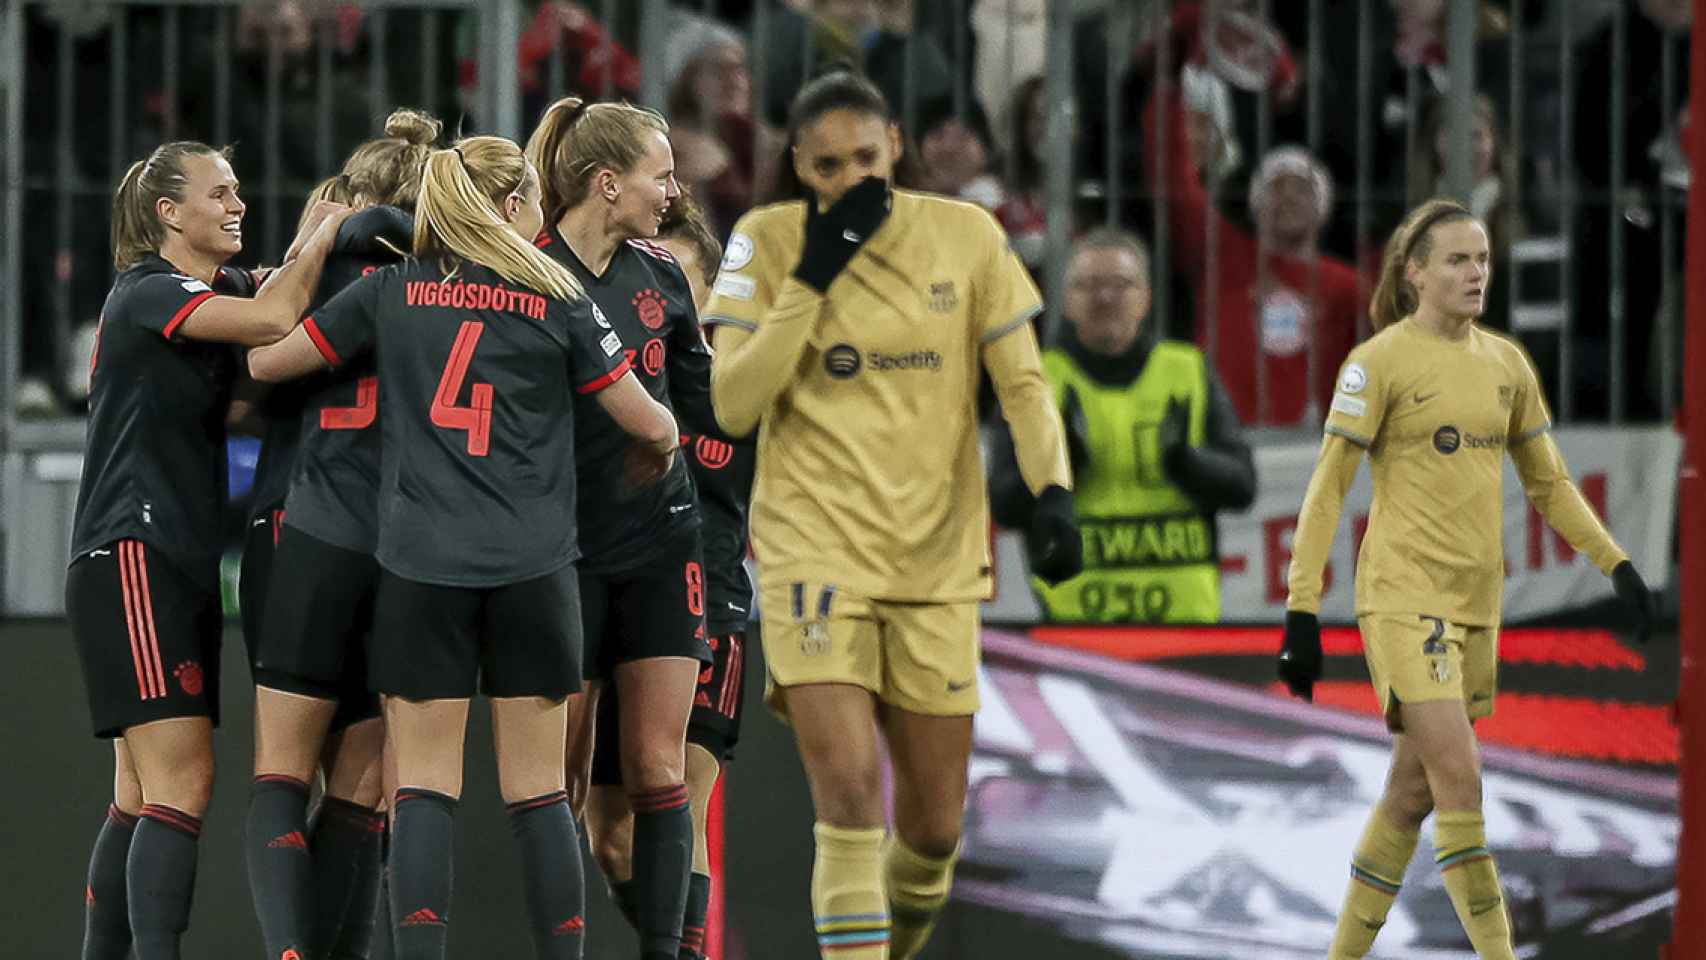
{"type": "Point", "coordinates": [644, 464]}
{"type": "Point", "coordinates": [1300, 654]}
{"type": "Point", "coordinates": [1055, 545]}
{"type": "Point", "coordinates": [1175, 431]}
{"type": "Point", "coordinates": [1632, 590]}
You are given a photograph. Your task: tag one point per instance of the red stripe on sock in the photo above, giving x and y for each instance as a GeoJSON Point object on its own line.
{"type": "Point", "coordinates": [153, 646]}
{"type": "Point", "coordinates": [174, 818]}
{"type": "Point", "coordinates": [524, 806]}
{"type": "Point", "coordinates": [119, 816]}
{"type": "Point", "coordinates": [281, 779]}
{"type": "Point", "coordinates": [127, 589]}
{"type": "Point", "coordinates": [659, 801]}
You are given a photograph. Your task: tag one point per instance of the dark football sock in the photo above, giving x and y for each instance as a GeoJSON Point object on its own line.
{"type": "Point", "coordinates": [160, 880]}
{"type": "Point", "coordinates": [280, 873]}
{"type": "Point", "coordinates": [626, 900]}
{"type": "Point", "coordinates": [663, 857]}
{"type": "Point", "coordinates": [106, 918]}
{"type": "Point", "coordinates": [544, 828]}
{"type": "Point", "coordinates": [345, 843]}
{"type": "Point", "coordinates": [693, 920]}
{"type": "Point", "coordinates": [421, 873]}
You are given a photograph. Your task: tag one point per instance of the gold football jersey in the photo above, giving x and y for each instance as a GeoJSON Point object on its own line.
{"type": "Point", "coordinates": [1436, 417]}
{"type": "Point", "coordinates": [869, 473]}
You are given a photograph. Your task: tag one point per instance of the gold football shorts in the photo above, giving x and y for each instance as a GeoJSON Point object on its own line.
{"type": "Point", "coordinates": [1416, 658]}
{"type": "Point", "coordinates": [921, 657]}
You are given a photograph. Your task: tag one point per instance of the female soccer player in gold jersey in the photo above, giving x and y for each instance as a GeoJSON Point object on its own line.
{"type": "Point", "coordinates": [855, 326]}
{"type": "Point", "coordinates": [1436, 401]}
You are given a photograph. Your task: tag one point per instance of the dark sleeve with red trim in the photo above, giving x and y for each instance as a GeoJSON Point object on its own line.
{"type": "Point", "coordinates": [689, 364]}
{"type": "Point", "coordinates": [596, 357]}
{"type": "Point", "coordinates": [161, 302]}
{"type": "Point", "coordinates": [347, 324]}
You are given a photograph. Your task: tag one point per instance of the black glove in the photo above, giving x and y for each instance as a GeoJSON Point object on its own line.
{"type": "Point", "coordinates": [1632, 590]}
{"type": "Point", "coordinates": [1056, 549]}
{"type": "Point", "coordinates": [1300, 654]}
{"type": "Point", "coordinates": [835, 235]}
{"type": "Point", "coordinates": [1077, 432]}
{"type": "Point", "coordinates": [1174, 433]}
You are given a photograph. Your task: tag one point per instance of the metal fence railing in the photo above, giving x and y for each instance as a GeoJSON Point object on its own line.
{"type": "Point", "coordinates": [1151, 114]}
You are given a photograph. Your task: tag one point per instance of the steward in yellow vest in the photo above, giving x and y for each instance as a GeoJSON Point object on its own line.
{"type": "Point", "coordinates": [1156, 452]}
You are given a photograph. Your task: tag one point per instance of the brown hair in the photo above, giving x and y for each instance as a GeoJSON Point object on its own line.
{"type": "Point", "coordinates": [574, 138]}
{"type": "Point", "coordinates": [388, 170]}
{"type": "Point", "coordinates": [1394, 297]}
{"type": "Point", "coordinates": [136, 229]}
{"type": "Point", "coordinates": [335, 189]}
{"type": "Point", "coordinates": [842, 88]}
{"type": "Point", "coordinates": [685, 221]}
{"type": "Point", "coordinates": [459, 212]}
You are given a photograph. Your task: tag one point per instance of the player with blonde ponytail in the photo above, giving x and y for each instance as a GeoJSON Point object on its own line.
{"type": "Point", "coordinates": [483, 344]}
{"type": "Point", "coordinates": [1436, 401]}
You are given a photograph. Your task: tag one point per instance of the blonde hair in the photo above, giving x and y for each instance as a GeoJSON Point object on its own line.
{"type": "Point", "coordinates": [388, 170]}
{"type": "Point", "coordinates": [136, 228]}
{"type": "Point", "coordinates": [574, 138]}
{"type": "Point", "coordinates": [1394, 297]}
{"type": "Point", "coordinates": [335, 189]}
{"type": "Point", "coordinates": [459, 212]}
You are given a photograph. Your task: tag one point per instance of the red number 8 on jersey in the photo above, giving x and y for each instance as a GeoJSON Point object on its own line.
{"type": "Point", "coordinates": [476, 418]}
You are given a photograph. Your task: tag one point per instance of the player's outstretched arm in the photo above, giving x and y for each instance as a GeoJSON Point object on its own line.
{"type": "Point", "coordinates": [294, 356]}
{"type": "Point", "coordinates": [1546, 481]}
{"type": "Point", "coordinates": [274, 310]}
{"type": "Point", "coordinates": [1300, 651]}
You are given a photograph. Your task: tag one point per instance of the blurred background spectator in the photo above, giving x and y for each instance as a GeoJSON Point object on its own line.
{"type": "Point", "coordinates": [957, 152]}
{"type": "Point", "coordinates": [722, 152]}
{"type": "Point", "coordinates": [1157, 450]}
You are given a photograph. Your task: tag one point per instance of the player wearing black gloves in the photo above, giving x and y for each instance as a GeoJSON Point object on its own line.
{"type": "Point", "coordinates": [855, 324]}
{"type": "Point", "coordinates": [1156, 451]}
{"type": "Point", "coordinates": [1436, 402]}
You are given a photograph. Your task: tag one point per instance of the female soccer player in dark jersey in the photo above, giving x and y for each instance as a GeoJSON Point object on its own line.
{"type": "Point", "coordinates": [609, 178]}
{"type": "Point", "coordinates": [315, 889]}
{"type": "Point", "coordinates": [858, 320]}
{"type": "Point", "coordinates": [1436, 401]}
{"type": "Point", "coordinates": [483, 343]}
{"type": "Point", "coordinates": [142, 591]}
{"type": "Point", "coordinates": [722, 478]}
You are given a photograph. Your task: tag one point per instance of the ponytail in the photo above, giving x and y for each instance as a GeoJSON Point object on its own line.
{"type": "Point", "coordinates": [459, 213]}
{"type": "Point", "coordinates": [574, 138]}
{"type": "Point", "coordinates": [136, 228]}
{"type": "Point", "coordinates": [685, 221]}
{"type": "Point", "coordinates": [1394, 297]}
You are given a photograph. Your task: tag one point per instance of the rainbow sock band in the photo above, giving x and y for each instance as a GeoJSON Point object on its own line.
{"type": "Point", "coordinates": [852, 930]}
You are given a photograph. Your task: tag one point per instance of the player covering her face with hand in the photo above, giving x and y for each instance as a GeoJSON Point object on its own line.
{"type": "Point", "coordinates": [483, 342]}
{"type": "Point", "coordinates": [855, 324]}
{"type": "Point", "coordinates": [142, 592]}
{"type": "Point", "coordinates": [1436, 401]}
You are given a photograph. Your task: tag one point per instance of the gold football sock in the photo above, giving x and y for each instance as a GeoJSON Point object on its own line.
{"type": "Point", "coordinates": [1377, 871]}
{"type": "Point", "coordinates": [847, 893]}
{"type": "Point", "coordinates": [1460, 848]}
{"type": "Point", "coordinates": [918, 888]}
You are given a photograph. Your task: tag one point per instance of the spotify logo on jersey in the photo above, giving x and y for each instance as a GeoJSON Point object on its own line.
{"type": "Point", "coordinates": [842, 361]}
{"type": "Point", "coordinates": [1447, 439]}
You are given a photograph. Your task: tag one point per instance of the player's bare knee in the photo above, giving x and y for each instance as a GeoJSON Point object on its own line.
{"type": "Point", "coordinates": [850, 794]}
{"type": "Point", "coordinates": [937, 836]}
{"type": "Point", "coordinates": [187, 787]}
{"type": "Point", "coordinates": [653, 766]}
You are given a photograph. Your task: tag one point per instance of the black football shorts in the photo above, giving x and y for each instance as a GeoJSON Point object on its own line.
{"type": "Point", "coordinates": [318, 618]}
{"type": "Point", "coordinates": [147, 636]}
{"type": "Point", "coordinates": [655, 610]}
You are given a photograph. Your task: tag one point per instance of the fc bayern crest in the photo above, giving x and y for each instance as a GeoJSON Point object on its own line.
{"type": "Point", "coordinates": [649, 305]}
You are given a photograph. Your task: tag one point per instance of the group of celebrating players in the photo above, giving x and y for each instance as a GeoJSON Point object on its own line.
{"type": "Point", "coordinates": [501, 454]}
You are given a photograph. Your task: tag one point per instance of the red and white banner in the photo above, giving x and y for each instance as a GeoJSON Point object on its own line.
{"type": "Point", "coordinates": [1629, 475]}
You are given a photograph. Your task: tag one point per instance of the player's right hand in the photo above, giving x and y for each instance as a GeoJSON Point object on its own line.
{"type": "Point", "coordinates": [834, 236]}
{"type": "Point", "coordinates": [1300, 654]}
{"type": "Point", "coordinates": [1056, 547]}
{"type": "Point", "coordinates": [644, 464]}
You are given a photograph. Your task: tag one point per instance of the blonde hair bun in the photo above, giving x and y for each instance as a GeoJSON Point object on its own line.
{"type": "Point", "coordinates": [413, 126]}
